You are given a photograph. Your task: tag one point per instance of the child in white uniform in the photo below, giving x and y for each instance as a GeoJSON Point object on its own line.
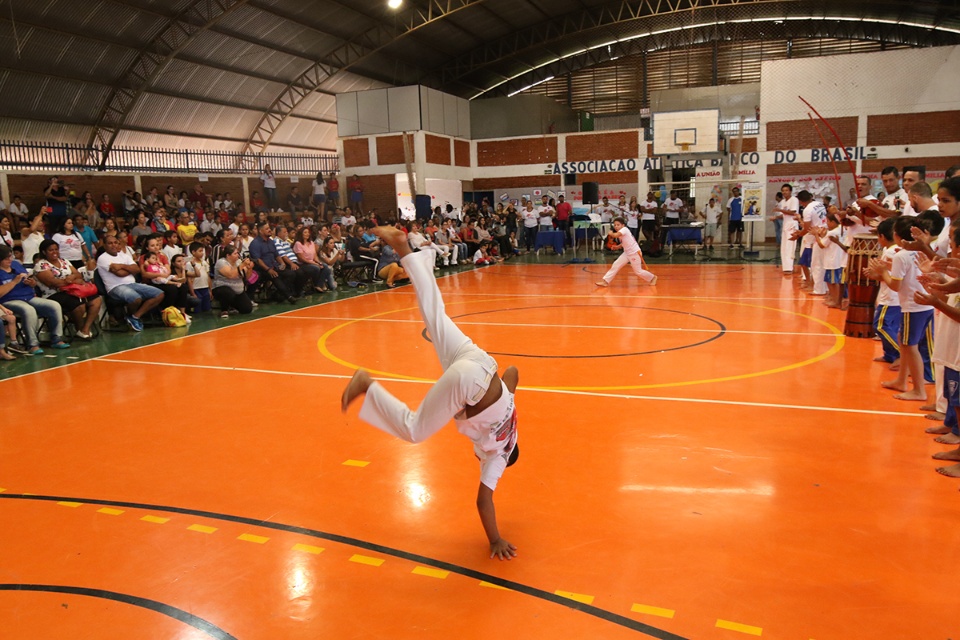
{"type": "Point", "coordinates": [631, 253]}
{"type": "Point", "coordinates": [469, 392]}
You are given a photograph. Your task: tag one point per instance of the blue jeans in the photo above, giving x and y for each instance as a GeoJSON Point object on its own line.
{"type": "Point", "coordinates": [29, 311]}
{"type": "Point", "coordinates": [778, 228]}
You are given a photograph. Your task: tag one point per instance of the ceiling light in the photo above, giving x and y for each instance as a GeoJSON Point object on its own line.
{"type": "Point", "coordinates": [394, 4]}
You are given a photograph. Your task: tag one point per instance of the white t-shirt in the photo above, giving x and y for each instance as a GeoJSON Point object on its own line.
{"type": "Point", "coordinates": [673, 206]}
{"type": "Point", "coordinates": [269, 181]}
{"type": "Point", "coordinates": [887, 296]}
{"type": "Point", "coordinates": [416, 239]}
{"type": "Point", "coordinates": [493, 432]}
{"type": "Point", "coordinates": [545, 214]}
{"type": "Point", "coordinates": [17, 209]}
{"type": "Point", "coordinates": [898, 201]}
{"type": "Point", "coordinates": [946, 343]}
{"type": "Point", "coordinates": [905, 270]}
{"type": "Point", "coordinates": [110, 279]}
{"type": "Point", "coordinates": [630, 246]}
{"type": "Point", "coordinates": [348, 220]}
{"type": "Point", "coordinates": [530, 217]}
{"type": "Point", "coordinates": [648, 210]}
{"type": "Point", "coordinates": [318, 187]}
{"type": "Point", "coordinates": [202, 273]}
{"type": "Point", "coordinates": [834, 257]}
{"type": "Point", "coordinates": [70, 246]}
{"type": "Point", "coordinates": [633, 218]}
{"type": "Point", "coordinates": [791, 204]}
{"type": "Point", "coordinates": [711, 214]}
{"type": "Point", "coordinates": [816, 214]}
{"type": "Point", "coordinates": [941, 246]}
{"type": "Point", "coordinates": [31, 246]}
{"type": "Point", "coordinates": [171, 250]}
{"type": "Point", "coordinates": [608, 212]}
{"type": "Point", "coordinates": [7, 239]}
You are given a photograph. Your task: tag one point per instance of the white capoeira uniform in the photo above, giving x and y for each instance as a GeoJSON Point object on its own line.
{"type": "Point", "coordinates": [791, 224]}
{"type": "Point", "coordinates": [631, 253]}
{"type": "Point", "coordinates": [467, 373]}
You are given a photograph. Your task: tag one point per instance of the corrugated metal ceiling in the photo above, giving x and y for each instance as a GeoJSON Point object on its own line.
{"type": "Point", "coordinates": [59, 71]}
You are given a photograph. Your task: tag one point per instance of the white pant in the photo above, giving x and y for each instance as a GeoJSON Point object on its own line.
{"type": "Point", "coordinates": [467, 369]}
{"type": "Point", "coordinates": [635, 260]}
{"type": "Point", "coordinates": [817, 271]}
{"type": "Point", "coordinates": [788, 247]}
{"type": "Point", "coordinates": [444, 252]}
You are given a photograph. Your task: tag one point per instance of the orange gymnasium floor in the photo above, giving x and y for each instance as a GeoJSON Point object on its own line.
{"type": "Point", "coordinates": [707, 458]}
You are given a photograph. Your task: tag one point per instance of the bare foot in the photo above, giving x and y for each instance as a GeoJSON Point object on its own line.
{"type": "Point", "coordinates": [948, 438]}
{"type": "Point", "coordinates": [928, 407]}
{"type": "Point", "coordinates": [953, 454]}
{"type": "Point", "coordinates": [953, 471]}
{"type": "Point", "coordinates": [602, 283]}
{"type": "Point", "coordinates": [895, 365]}
{"type": "Point", "coordinates": [936, 416]}
{"type": "Point", "coordinates": [393, 237]}
{"type": "Point", "coordinates": [915, 395]}
{"type": "Point", "coordinates": [938, 430]}
{"type": "Point", "coordinates": [896, 385]}
{"type": "Point", "coordinates": [879, 359]}
{"type": "Point", "coordinates": [358, 385]}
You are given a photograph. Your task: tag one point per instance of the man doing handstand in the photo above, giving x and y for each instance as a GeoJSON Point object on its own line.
{"type": "Point", "coordinates": [470, 392]}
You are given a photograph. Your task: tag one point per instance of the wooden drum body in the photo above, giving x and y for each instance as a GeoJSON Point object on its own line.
{"type": "Point", "coordinates": [862, 291]}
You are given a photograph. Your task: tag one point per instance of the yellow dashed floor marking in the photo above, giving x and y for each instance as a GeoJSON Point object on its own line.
{"type": "Point", "coordinates": [653, 611]}
{"type": "Point", "coordinates": [2, 489]}
{"type": "Point", "coordinates": [155, 519]}
{"type": "Point", "coordinates": [579, 597]}
{"type": "Point", "coordinates": [736, 626]}
{"type": "Point", "coordinates": [432, 573]}
{"type": "Point", "coordinates": [356, 463]}
{"type": "Point", "coordinates": [308, 548]}
{"type": "Point", "coordinates": [201, 528]}
{"type": "Point", "coordinates": [70, 504]}
{"type": "Point", "coordinates": [373, 562]}
{"type": "Point", "coordinates": [249, 537]}
{"type": "Point", "coordinates": [490, 585]}
{"type": "Point", "coordinates": [109, 511]}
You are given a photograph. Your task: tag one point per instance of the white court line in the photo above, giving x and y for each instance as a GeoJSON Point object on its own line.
{"type": "Point", "coordinates": [595, 394]}
{"type": "Point", "coordinates": [568, 326]}
{"type": "Point", "coordinates": [406, 289]}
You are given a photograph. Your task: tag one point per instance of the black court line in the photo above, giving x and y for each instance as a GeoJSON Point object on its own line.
{"type": "Point", "coordinates": [170, 611]}
{"type": "Point", "coordinates": [534, 592]}
{"type": "Point", "coordinates": [720, 333]}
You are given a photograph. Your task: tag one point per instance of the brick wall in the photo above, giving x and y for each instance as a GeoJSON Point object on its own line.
{"type": "Point", "coordinates": [516, 182]}
{"type": "Point", "coordinates": [438, 149]}
{"type": "Point", "coordinates": [749, 144]}
{"type": "Point", "coordinates": [616, 177]}
{"type": "Point", "coordinates": [461, 153]}
{"type": "Point", "coordinates": [31, 187]}
{"type": "Point", "coordinates": [914, 128]}
{"type": "Point", "coordinates": [799, 168]}
{"type": "Point", "coordinates": [595, 146]}
{"type": "Point", "coordinates": [520, 151]}
{"type": "Point", "coordinates": [356, 152]}
{"type": "Point", "coordinates": [931, 164]}
{"type": "Point", "coordinates": [801, 134]}
{"type": "Point", "coordinates": [390, 150]}
{"type": "Point", "coordinates": [379, 192]}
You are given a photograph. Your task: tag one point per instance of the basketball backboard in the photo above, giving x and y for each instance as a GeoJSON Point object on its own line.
{"type": "Point", "coordinates": [685, 132]}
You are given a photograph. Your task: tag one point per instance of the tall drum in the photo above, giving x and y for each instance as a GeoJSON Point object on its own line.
{"type": "Point", "coordinates": [861, 289]}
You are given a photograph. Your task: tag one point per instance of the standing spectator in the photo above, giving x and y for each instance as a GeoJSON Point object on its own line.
{"type": "Point", "coordinates": [607, 211]}
{"type": "Point", "coordinates": [530, 219]}
{"type": "Point", "coordinates": [788, 213]}
{"type": "Point", "coordinates": [545, 213]}
{"type": "Point", "coordinates": [735, 219]}
{"type": "Point", "coordinates": [356, 193]}
{"type": "Point", "coordinates": [671, 209]}
{"type": "Point", "coordinates": [198, 274]}
{"type": "Point", "coordinates": [648, 216]}
{"type": "Point", "coordinates": [269, 187]}
{"type": "Point", "coordinates": [564, 215]}
{"type": "Point", "coordinates": [16, 293]}
{"type": "Point", "coordinates": [56, 202]}
{"type": "Point", "coordinates": [711, 216]}
{"type": "Point", "coordinates": [632, 216]}
{"type": "Point", "coordinates": [333, 190]}
{"type": "Point", "coordinates": [320, 194]}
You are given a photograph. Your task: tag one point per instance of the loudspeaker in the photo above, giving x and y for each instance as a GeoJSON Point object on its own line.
{"type": "Point", "coordinates": [591, 193]}
{"type": "Point", "coordinates": [422, 204]}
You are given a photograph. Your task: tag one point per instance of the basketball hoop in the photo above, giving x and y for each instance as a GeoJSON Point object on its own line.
{"type": "Point", "coordinates": [684, 147]}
